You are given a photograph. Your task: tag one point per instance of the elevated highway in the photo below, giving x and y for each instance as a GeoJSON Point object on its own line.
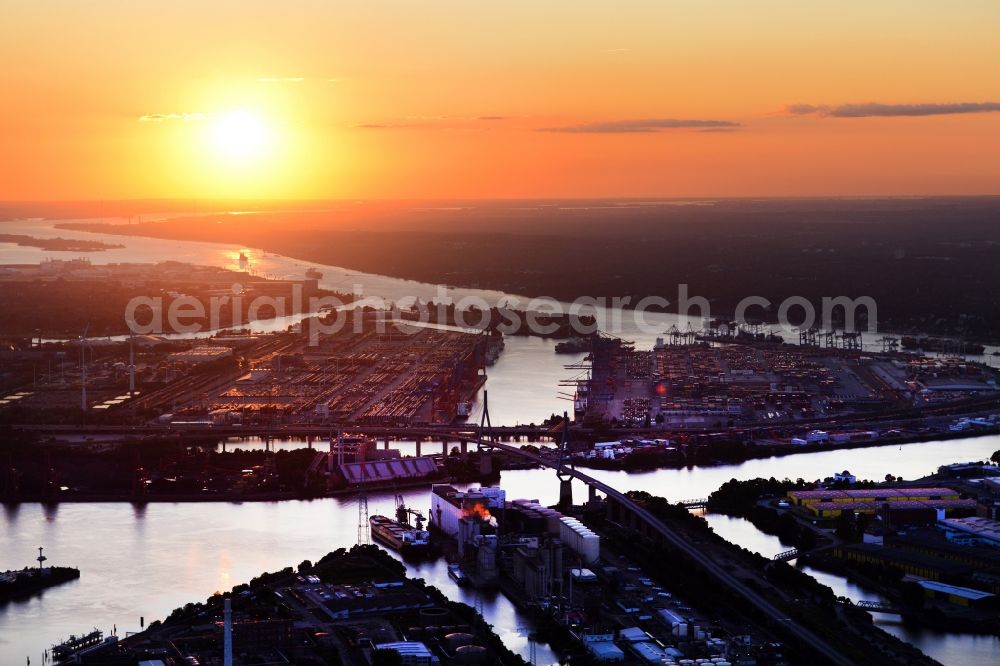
{"type": "Point", "coordinates": [649, 524]}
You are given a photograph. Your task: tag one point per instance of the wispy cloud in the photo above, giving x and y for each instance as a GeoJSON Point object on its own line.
{"type": "Point", "coordinates": [644, 125]}
{"type": "Point", "coordinates": [874, 109]}
{"type": "Point", "coordinates": [281, 79]}
{"type": "Point", "coordinates": [492, 118]}
{"type": "Point", "coordinates": [163, 117]}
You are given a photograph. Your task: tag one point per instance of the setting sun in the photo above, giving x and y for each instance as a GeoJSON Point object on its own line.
{"type": "Point", "coordinates": [239, 135]}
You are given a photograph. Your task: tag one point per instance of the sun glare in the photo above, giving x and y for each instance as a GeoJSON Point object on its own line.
{"type": "Point", "coordinates": [240, 134]}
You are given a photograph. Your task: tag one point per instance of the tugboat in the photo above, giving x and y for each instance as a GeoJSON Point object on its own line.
{"type": "Point", "coordinates": [456, 574]}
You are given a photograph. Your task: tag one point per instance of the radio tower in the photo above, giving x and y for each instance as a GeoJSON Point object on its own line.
{"type": "Point", "coordinates": [364, 527]}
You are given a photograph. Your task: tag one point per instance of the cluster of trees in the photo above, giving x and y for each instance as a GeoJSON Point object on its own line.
{"type": "Point", "coordinates": [741, 499]}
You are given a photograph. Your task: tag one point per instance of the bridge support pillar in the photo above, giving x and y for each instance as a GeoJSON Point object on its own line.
{"type": "Point", "coordinates": [419, 442]}
{"type": "Point", "coordinates": [591, 495]}
{"type": "Point", "coordinates": [565, 494]}
{"type": "Point", "coordinates": [387, 442]}
{"type": "Point", "coordinates": [465, 447]}
{"type": "Point", "coordinates": [485, 463]}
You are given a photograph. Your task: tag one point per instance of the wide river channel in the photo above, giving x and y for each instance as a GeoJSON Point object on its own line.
{"type": "Point", "coordinates": [146, 561]}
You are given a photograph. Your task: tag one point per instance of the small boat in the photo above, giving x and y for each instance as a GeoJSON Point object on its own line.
{"type": "Point", "coordinates": [314, 274]}
{"type": "Point", "coordinates": [456, 574]}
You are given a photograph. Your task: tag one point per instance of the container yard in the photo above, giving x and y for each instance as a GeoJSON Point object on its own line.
{"type": "Point", "coordinates": [368, 374]}
{"type": "Point", "coordinates": [703, 385]}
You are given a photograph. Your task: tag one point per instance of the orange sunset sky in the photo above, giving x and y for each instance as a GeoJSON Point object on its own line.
{"type": "Point", "coordinates": [522, 98]}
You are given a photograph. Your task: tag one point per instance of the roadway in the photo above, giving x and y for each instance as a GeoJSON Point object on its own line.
{"type": "Point", "coordinates": [807, 638]}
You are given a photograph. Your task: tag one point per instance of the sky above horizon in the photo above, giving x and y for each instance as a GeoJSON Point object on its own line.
{"type": "Point", "coordinates": [526, 98]}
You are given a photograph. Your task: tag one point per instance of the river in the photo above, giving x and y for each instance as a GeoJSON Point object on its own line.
{"type": "Point", "coordinates": [643, 331]}
{"type": "Point", "coordinates": [145, 562]}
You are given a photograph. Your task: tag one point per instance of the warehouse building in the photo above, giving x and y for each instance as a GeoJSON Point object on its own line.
{"type": "Point", "coordinates": [953, 594]}
{"type": "Point", "coordinates": [972, 531]}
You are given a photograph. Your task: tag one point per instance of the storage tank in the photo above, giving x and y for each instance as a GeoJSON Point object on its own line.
{"type": "Point", "coordinates": [470, 654]}
{"type": "Point", "coordinates": [458, 639]}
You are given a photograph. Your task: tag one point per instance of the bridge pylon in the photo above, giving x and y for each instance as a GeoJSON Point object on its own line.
{"type": "Point", "coordinates": [565, 479]}
{"type": "Point", "coordinates": [485, 425]}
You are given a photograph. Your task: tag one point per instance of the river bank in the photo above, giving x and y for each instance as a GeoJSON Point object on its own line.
{"type": "Point", "coordinates": [918, 616]}
{"type": "Point", "coordinates": [19, 585]}
{"type": "Point", "coordinates": [767, 451]}
{"type": "Point", "coordinates": [176, 552]}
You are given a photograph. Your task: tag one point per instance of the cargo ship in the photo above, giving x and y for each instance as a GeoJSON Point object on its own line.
{"type": "Point", "coordinates": [577, 345]}
{"type": "Point", "coordinates": [942, 345]}
{"type": "Point", "coordinates": [400, 536]}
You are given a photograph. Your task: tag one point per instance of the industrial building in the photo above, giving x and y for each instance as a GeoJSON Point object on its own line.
{"type": "Point", "coordinates": [915, 564]}
{"type": "Point", "coordinates": [877, 494]}
{"type": "Point", "coordinates": [200, 354]}
{"type": "Point", "coordinates": [960, 596]}
{"type": "Point", "coordinates": [411, 653]}
{"type": "Point", "coordinates": [537, 567]}
{"type": "Point", "coordinates": [602, 647]}
{"type": "Point", "coordinates": [688, 383]}
{"type": "Point", "coordinates": [935, 502]}
{"type": "Point", "coordinates": [971, 531]}
{"type": "Point", "coordinates": [468, 518]}
{"type": "Point", "coordinates": [577, 537]}
{"type": "Point", "coordinates": [900, 511]}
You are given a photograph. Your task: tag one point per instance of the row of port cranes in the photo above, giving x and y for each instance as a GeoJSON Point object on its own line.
{"type": "Point", "coordinates": [594, 382]}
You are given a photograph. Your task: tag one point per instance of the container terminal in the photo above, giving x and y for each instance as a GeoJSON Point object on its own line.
{"type": "Point", "coordinates": [690, 384]}
{"type": "Point", "coordinates": [368, 372]}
